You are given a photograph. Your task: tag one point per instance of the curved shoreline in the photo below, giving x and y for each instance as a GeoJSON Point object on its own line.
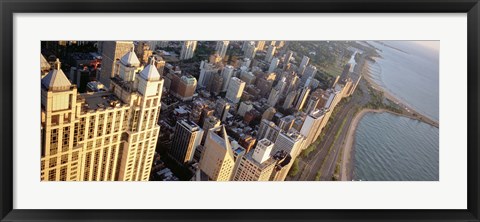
{"type": "Point", "coordinates": [414, 114]}
{"type": "Point", "coordinates": [347, 160]}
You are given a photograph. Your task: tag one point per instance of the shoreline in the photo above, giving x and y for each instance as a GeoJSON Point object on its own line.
{"type": "Point", "coordinates": [346, 166]}
{"type": "Point", "coordinates": [412, 113]}
{"type": "Point", "coordinates": [347, 157]}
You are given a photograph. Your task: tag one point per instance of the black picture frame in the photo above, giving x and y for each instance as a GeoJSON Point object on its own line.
{"type": "Point", "coordinates": [9, 7]}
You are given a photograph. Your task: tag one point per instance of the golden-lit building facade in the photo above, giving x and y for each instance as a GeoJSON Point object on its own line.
{"type": "Point", "coordinates": [103, 136]}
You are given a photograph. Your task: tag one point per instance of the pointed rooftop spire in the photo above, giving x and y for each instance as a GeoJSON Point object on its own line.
{"type": "Point", "coordinates": [130, 59]}
{"type": "Point", "coordinates": [56, 79]}
{"type": "Point", "coordinates": [44, 65]}
{"type": "Point", "coordinates": [150, 72]}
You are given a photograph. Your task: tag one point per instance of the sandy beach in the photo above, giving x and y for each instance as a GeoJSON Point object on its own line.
{"type": "Point", "coordinates": [347, 159]}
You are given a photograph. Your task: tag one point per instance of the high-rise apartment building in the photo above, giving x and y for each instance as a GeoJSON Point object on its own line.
{"type": "Point", "coordinates": [209, 123]}
{"type": "Point", "coordinates": [260, 45]}
{"type": "Point", "coordinates": [268, 130]}
{"type": "Point", "coordinates": [302, 98]}
{"type": "Point", "coordinates": [273, 64]}
{"type": "Point", "coordinates": [227, 74]}
{"type": "Point", "coordinates": [310, 72]}
{"type": "Point", "coordinates": [186, 138]}
{"type": "Point", "coordinates": [102, 136]}
{"type": "Point", "coordinates": [244, 107]}
{"type": "Point", "coordinates": [221, 109]}
{"type": "Point", "coordinates": [305, 61]}
{"type": "Point", "coordinates": [207, 70]}
{"type": "Point", "coordinates": [287, 58]}
{"type": "Point", "coordinates": [217, 160]}
{"type": "Point", "coordinates": [256, 165]}
{"type": "Point", "coordinates": [287, 104]}
{"type": "Point", "coordinates": [188, 49]}
{"type": "Point", "coordinates": [291, 142]}
{"type": "Point", "coordinates": [270, 53]}
{"type": "Point", "coordinates": [221, 48]}
{"type": "Point", "coordinates": [111, 51]}
{"type": "Point", "coordinates": [183, 86]}
{"type": "Point", "coordinates": [250, 51]}
{"type": "Point", "coordinates": [235, 89]}
{"type": "Point", "coordinates": [311, 126]}
{"type": "Point", "coordinates": [273, 97]}
{"type": "Point", "coordinates": [269, 113]}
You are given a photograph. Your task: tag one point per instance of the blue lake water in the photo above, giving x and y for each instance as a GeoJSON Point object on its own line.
{"type": "Point", "coordinates": [389, 147]}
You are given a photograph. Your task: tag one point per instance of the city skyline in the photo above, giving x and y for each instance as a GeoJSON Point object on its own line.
{"type": "Point", "coordinates": [204, 110]}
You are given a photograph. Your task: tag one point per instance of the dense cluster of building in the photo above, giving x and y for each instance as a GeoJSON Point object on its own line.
{"type": "Point", "coordinates": [242, 119]}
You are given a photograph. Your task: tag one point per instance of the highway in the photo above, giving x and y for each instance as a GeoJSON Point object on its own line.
{"type": "Point", "coordinates": [324, 158]}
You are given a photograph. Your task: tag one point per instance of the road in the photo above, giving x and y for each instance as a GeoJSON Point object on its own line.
{"type": "Point", "coordinates": [324, 158]}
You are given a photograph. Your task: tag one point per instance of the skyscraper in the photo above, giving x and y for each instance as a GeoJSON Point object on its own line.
{"type": "Point", "coordinates": [260, 45]}
{"type": "Point", "coordinates": [250, 51]}
{"type": "Point", "coordinates": [227, 74]}
{"type": "Point", "coordinates": [188, 49]}
{"type": "Point", "coordinates": [305, 61]}
{"type": "Point", "coordinates": [111, 51]}
{"type": "Point", "coordinates": [270, 53]}
{"type": "Point", "coordinates": [311, 126]}
{"type": "Point", "coordinates": [207, 70]}
{"type": "Point", "coordinates": [100, 136]}
{"type": "Point", "coordinates": [287, 58]}
{"type": "Point", "coordinates": [302, 98]}
{"type": "Point", "coordinates": [216, 83]}
{"type": "Point", "coordinates": [217, 160]}
{"type": "Point", "coordinates": [221, 48]}
{"type": "Point", "coordinates": [235, 89]}
{"type": "Point", "coordinates": [310, 72]}
{"type": "Point", "coordinates": [273, 97]}
{"type": "Point", "coordinates": [256, 165]}
{"type": "Point", "coordinates": [287, 104]}
{"type": "Point", "coordinates": [209, 123]}
{"type": "Point", "coordinates": [183, 86]}
{"type": "Point", "coordinates": [291, 142]}
{"type": "Point", "coordinates": [186, 138]}
{"type": "Point", "coordinates": [268, 130]}
{"type": "Point", "coordinates": [221, 109]}
{"type": "Point", "coordinates": [273, 64]}
{"type": "Point", "coordinates": [262, 150]}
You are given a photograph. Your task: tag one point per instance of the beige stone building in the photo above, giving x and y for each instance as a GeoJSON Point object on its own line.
{"type": "Point", "coordinates": [101, 136]}
{"type": "Point", "coordinates": [256, 165]}
{"type": "Point", "coordinates": [217, 160]}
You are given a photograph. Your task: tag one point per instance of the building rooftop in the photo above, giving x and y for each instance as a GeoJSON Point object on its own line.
{"type": "Point", "coordinates": [100, 100]}
{"type": "Point", "coordinates": [130, 59]}
{"type": "Point", "coordinates": [317, 113]}
{"type": "Point", "coordinates": [189, 124]}
{"type": "Point", "coordinates": [261, 166]}
{"type": "Point", "coordinates": [44, 65]}
{"type": "Point", "coordinates": [56, 79]}
{"type": "Point", "coordinates": [150, 72]}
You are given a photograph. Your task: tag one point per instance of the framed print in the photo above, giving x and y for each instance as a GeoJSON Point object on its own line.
{"type": "Point", "coordinates": [250, 111]}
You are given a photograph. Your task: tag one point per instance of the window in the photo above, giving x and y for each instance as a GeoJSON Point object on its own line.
{"type": "Point", "coordinates": [55, 120]}
{"type": "Point", "coordinates": [64, 158]}
{"type": "Point", "coordinates": [53, 162]}
{"type": "Point", "coordinates": [52, 175]}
